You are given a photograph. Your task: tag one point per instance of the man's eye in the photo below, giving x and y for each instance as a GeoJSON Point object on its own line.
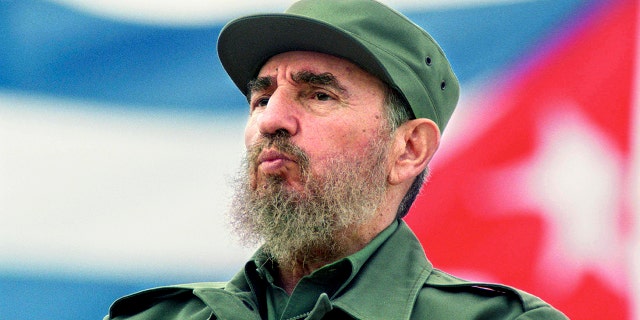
{"type": "Point", "coordinates": [321, 96]}
{"type": "Point", "coordinates": [260, 102]}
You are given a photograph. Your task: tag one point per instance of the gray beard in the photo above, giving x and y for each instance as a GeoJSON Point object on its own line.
{"type": "Point", "coordinates": [319, 223]}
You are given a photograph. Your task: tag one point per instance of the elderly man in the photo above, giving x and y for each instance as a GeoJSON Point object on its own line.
{"type": "Point", "coordinates": [347, 101]}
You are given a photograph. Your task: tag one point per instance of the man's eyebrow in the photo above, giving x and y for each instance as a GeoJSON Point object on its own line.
{"type": "Point", "coordinates": [259, 84]}
{"type": "Point", "coordinates": [325, 79]}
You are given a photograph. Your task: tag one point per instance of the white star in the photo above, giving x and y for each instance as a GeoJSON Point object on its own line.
{"type": "Point", "coordinates": [576, 179]}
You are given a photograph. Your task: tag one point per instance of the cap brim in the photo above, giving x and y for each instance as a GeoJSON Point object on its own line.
{"type": "Point", "coordinates": [245, 44]}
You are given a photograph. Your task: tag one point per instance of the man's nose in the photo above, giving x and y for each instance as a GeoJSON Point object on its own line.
{"type": "Point", "coordinates": [280, 114]}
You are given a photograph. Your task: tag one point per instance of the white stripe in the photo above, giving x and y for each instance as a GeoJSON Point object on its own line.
{"type": "Point", "coordinates": [103, 192]}
{"type": "Point", "coordinates": [189, 12]}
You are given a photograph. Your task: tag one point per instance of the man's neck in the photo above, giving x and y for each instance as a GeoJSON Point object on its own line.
{"type": "Point", "coordinates": [290, 272]}
{"type": "Point", "coordinates": [351, 241]}
{"type": "Point", "coordinates": [288, 277]}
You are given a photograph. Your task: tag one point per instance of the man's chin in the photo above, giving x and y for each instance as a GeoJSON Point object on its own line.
{"type": "Point", "coordinates": [265, 184]}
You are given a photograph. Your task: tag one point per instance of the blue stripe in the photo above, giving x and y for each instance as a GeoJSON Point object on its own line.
{"type": "Point", "coordinates": [32, 297]}
{"type": "Point", "coordinates": [53, 50]}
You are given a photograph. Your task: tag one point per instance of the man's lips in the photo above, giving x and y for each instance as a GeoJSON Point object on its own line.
{"type": "Point", "coordinates": [272, 161]}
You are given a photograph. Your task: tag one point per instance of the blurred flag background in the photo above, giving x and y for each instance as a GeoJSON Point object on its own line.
{"type": "Point", "coordinates": [120, 134]}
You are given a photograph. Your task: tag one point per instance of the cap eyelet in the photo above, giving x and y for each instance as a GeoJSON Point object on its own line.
{"type": "Point", "coordinates": [443, 85]}
{"type": "Point", "coordinates": [427, 60]}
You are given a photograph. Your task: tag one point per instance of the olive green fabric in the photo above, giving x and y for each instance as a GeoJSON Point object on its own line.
{"type": "Point", "coordinates": [377, 38]}
{"type": "Point", "coordinates": [395, 282]}
{"type": "Point", "coordinates": [331, 280]}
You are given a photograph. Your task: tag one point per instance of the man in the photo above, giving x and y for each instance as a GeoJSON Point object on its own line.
{"type": "Point", "coordinates": [347, 101]}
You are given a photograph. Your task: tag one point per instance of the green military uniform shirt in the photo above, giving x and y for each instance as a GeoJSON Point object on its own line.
{"type": "Point", "coordinates": [389, 279]}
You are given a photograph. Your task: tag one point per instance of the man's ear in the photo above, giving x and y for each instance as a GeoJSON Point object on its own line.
{"type": "Point", "coordinates": [416, 141]}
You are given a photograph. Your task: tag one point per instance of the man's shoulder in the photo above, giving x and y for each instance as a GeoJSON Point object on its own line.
{"type": "Point", "coordinates": [163, 302]}
{"type": "Point", "coordinates": [443, 293]}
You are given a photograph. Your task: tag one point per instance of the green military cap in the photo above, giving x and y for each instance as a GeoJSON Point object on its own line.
{"type": "Point", "coordinates": [377, 38]}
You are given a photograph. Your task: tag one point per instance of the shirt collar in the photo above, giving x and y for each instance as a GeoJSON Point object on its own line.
{"type": "Point", "coordinates": [392, 268]}
{"type": "Point", "coordinates": [262, 263]}
{"type": "Point", "coordinates": [360, 258]}
{"type": "Point", "coordinates": [331, 279]}
{"type": "Point", "coordinates": [391, 279]}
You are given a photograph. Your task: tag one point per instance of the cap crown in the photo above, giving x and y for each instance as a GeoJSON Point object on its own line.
{"type": "Point", "coordinates": [368, 33]}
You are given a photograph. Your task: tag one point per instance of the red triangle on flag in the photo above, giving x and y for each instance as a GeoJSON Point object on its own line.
{"type": "Point", "coordinates": [536, 198]}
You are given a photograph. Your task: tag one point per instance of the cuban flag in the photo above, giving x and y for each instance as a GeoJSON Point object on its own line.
{"type": "Point", "coordinates": [120, 134]}
{"type": "Point", "coordinates": [540, 187]}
